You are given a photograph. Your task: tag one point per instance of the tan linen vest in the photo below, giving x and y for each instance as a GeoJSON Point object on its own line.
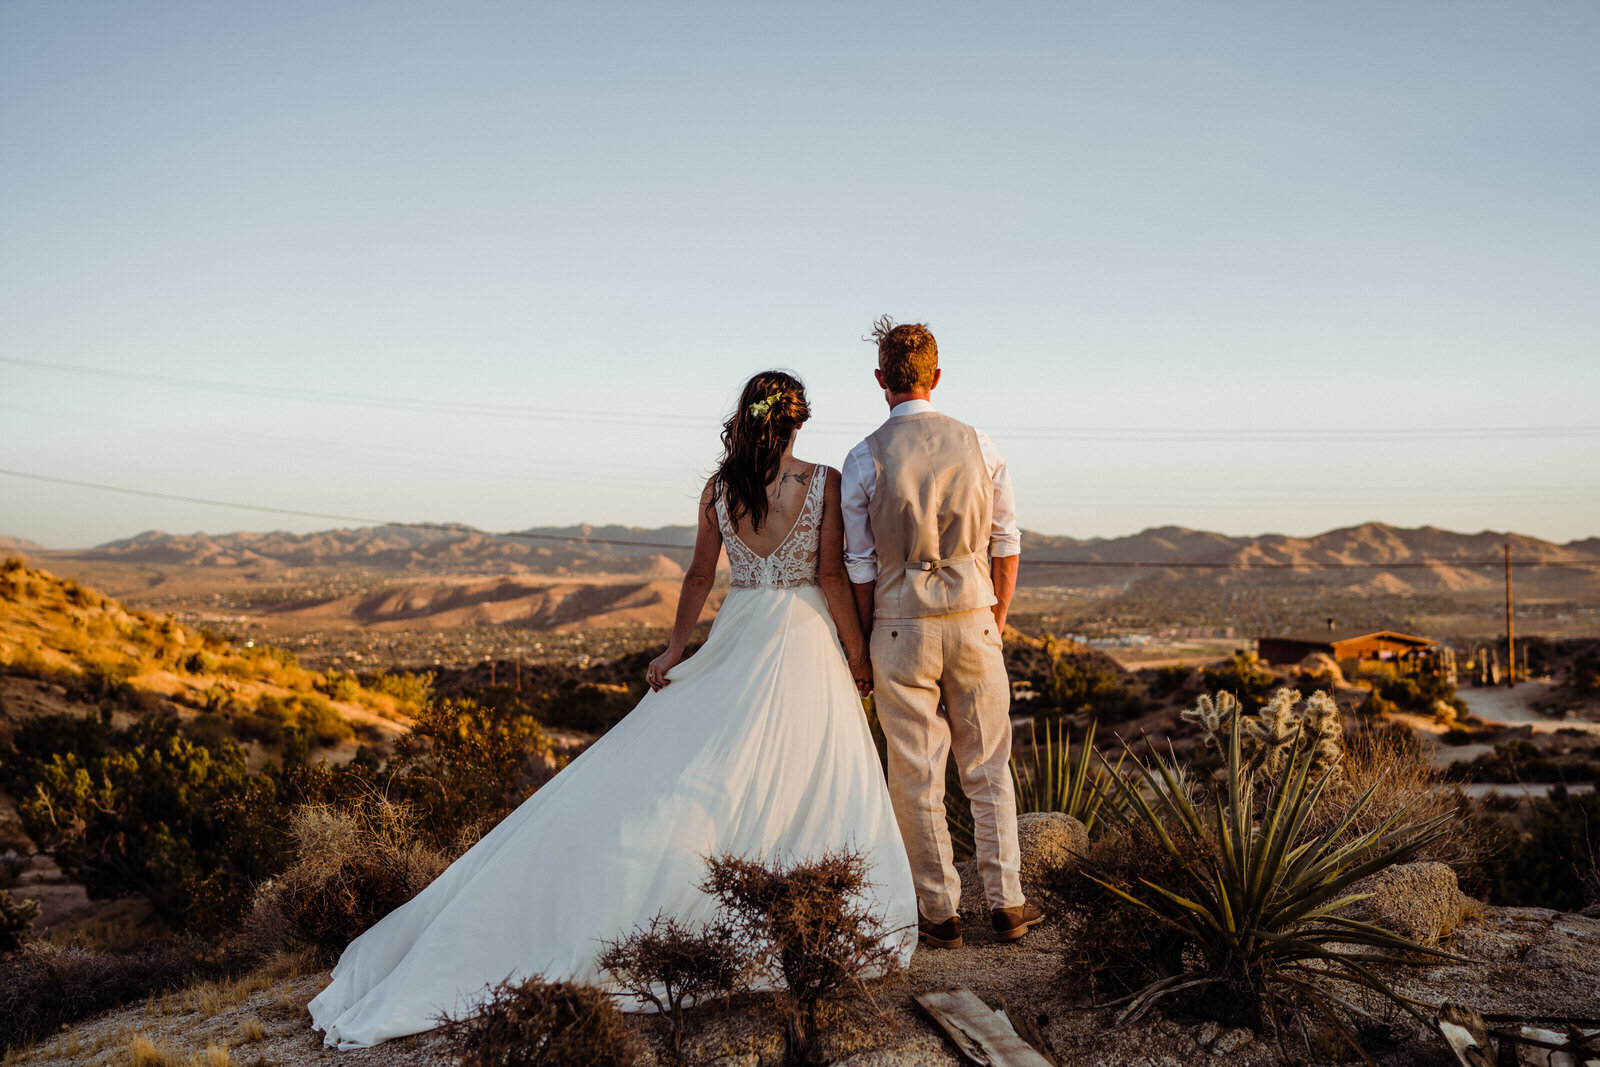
{"type": "Point", "coordinates": [931, 515]}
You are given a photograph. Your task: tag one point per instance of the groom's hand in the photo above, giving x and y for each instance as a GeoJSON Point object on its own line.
{"type": "Point", "coordinates": [861, 671]}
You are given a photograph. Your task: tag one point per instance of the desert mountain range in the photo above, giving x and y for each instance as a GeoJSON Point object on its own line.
{"type": "Point", "coordinates": [661, 551]}
{"type": "Point", "coordinates": [449, 576]}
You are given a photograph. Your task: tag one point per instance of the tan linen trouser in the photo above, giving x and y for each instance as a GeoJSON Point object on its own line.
{"type": "Point", "coordinates": [915, 664]}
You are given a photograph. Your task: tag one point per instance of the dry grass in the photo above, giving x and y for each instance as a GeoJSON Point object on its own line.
{"type": "Point", "coordinates": [251, 1030]}
{"type": "Point", "coordinates": [143, 1052]}
{"type": "Point", "coordinates": [1393, 764]}
{"type": "Point", "coordinates": [352, 867]}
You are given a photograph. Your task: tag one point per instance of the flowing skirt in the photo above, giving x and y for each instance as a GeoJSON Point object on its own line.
{"type": "Point", "coordinates": [757, 748]}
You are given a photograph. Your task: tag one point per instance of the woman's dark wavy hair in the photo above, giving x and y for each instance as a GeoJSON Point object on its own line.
{"type": "Point", "coordinates": [772, 406]}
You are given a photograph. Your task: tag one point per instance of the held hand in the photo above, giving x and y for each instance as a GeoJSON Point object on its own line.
{"type": "Point", "coordinates": [861, 671]}
{"type": "Point", "coordinates": [656, 673]}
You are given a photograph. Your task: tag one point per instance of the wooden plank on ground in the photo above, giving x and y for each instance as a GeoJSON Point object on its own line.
{"type": "Point", "coordinates": [979, 1034]}
{"type": "Point", "coordinates": [1463, 1030]}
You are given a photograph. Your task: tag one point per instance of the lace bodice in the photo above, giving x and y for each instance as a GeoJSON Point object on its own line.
{"type": "Point", "coordinates": [794, 561]}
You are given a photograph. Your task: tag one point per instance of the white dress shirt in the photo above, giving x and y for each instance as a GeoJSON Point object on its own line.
{"type": "Point", "coordinates": [859, 478]}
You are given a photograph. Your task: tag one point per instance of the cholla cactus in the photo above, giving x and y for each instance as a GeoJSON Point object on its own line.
{"type": "Point", "coordinates": [1214, 717]}
{"type": "Point", "coordinates": [1267, 736]}
{"type": "Point", "coordinates": [1325, 732]}
{"type": "Point", "coordinates": [1266, 739]}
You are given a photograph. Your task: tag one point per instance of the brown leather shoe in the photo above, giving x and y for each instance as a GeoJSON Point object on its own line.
{"type": "Point", "coordinates": [1011, 923]}
{"type": "Point", "coordinates": [939, 935]}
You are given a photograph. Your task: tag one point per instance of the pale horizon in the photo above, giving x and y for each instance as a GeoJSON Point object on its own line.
{"type": "Point", "coordinates": [1234, 268]}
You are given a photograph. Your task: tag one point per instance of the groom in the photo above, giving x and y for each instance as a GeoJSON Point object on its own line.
{"type": "Point", "coordinates": [931, 544]}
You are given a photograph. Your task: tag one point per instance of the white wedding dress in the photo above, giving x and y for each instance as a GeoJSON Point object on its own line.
{"type": "Point", "coordinates": [757, 747]}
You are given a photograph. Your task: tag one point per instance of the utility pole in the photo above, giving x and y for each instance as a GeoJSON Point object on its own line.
{"type": "Point", "coordinates": [1511, 637]}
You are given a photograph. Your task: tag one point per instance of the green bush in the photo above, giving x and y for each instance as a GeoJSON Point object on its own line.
{"type": "Point", "coordinates": [462, 766]}
{"type": "Point", "coordinates": [1169, 679]}
{"type": "Point", "coordinates": [341, 686]}
{"type": "Point", "coordinates": [321, 721]}
{"type": "Point", "coordinates": [410, 690]}
{"type": "Point", "coordinates": [145, 810]}
{"type": "Point", "coordinates": [1244, 677]}
{"type": "Point", "coordinates": [1553, 863]}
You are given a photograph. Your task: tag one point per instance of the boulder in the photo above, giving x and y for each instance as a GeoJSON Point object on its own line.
{"type": "Point", "coordinates": [1048, 841]}
{"type": "Point", "coordinates": [1417, 900]}
{"type": "Point", "coordinates": [1320, 663]}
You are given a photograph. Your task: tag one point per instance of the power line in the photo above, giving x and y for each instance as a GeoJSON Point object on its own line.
{"type": "Point", "coordinates": [1108, 434]}
{"type": "Point", "coordinates": [662, 546]}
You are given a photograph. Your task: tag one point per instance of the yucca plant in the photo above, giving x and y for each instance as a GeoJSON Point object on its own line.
{"type": "Point", "coordinates": [1050, 777]}
{"type": "Point", "coordinates": [1256, 899]}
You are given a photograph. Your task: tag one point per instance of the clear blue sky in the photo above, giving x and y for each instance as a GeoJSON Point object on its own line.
{"type": "Point", "coordinates": [1339, 221]}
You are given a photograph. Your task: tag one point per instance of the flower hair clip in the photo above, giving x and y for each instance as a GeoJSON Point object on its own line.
{"type": "Point", "coordinates": [760, 408]}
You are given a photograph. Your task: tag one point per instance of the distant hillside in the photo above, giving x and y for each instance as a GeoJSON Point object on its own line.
{"type": "Point", "coordinates": [19, 544]}
{"type": "Point", "coordinates": [414, 548]}
{"type": "Point", "coordinates": [1469, 561]}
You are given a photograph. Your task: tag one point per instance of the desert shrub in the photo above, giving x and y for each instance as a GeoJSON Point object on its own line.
{"type": "Point", "coordinates": [266, 722]}
{"type": "Point", "coordinates": [1046, 775]}
{"type": "Point", "coordinates": [198, 662]}
{"type": "Point", "coordinates": [1114, 949]}
{"type": "Point", "coordinates": [16, 919]}
{"type": "Point", "coordinates": [1255, 899]}
{"type": "Point", "coordinates": [159, 815]}
{"type": "Point", "coordinates": [45, 986]}
{"type": "Point", "coordinates": [339, 685]}
{"type": "Point", "coordinates": [1553, 862]}
{"type": "Point", "coordinates": [352, 866]}
{"type": "Point", "coordinates": [1244, 677]}
{"type": "Point", "coordinates": [104, 680]}
{"type": "Point", "coordinates": [592, 707]}
{"type": "Point", "coordinates": [1418, 694]}
{"type": "Point", "coordinates": [321, 721]}
{"type": "Point", "coordinates": [410, 690]}
{"type": "Point", "coordinates": [78, 596]}
{"type": "Point", "coordinates": [1164, 681]}
{"type": "Point", "coordinates": [673, 968]}
{"type": "Point", "coordinates": [534, 1023]}
{"type": "Point", "coordinates": [463, 765]}
{"type": "Point", "coordinates": [1400, 776]}
{"type": "Point", "coordinates": [808, 929]}
{"type": "Point", "coordinates": [144, 810]}
{"type": "Point", "coordinates": [1078, 687]}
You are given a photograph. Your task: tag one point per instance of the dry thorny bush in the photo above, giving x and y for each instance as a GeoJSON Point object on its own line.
{"type": "Point", "coordinates": [810, 931]}
{"type": "Point", "coordinates": [534, 1023]}
{"type": "Point", "coordinates": [353, 865]}
{"type": "Point", "coordinates": [673, 968]}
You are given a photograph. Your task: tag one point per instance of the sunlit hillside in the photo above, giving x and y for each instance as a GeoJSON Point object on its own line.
{"type": "Point", "coordinates": [63, 645]}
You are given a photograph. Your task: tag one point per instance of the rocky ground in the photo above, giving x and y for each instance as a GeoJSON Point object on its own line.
{"type": "Point", "coordinates": [1532, 963]}
{"type": "Point", "coordinates": [1525, 963]}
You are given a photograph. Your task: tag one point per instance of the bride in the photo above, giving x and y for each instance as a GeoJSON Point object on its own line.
{"type": "Point", "coordinates": [755, 746]}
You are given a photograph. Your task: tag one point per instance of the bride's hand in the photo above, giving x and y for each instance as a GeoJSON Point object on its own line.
{"type": "Point", "coordinates": [861, 671]}
{"type": "Point", "coordinates": [656, 673]}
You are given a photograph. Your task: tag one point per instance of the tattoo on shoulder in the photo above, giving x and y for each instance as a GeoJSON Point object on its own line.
{"type": "Point", "coordinates": [801, 478]}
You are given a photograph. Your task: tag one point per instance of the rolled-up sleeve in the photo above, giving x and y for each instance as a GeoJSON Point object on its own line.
{"type": "Point", "coordinates": [1005, 539]}
{"type": "Point", "coordinates": [858, 477]}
